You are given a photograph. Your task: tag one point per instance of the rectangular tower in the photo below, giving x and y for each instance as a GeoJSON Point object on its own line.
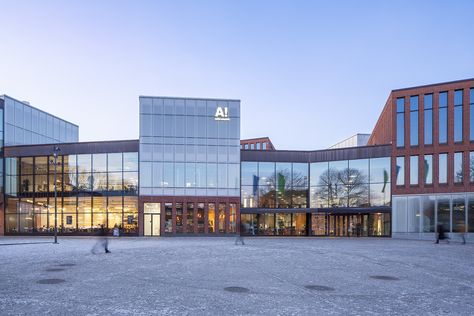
{"type": "Point", "coordinates": [189, 165]}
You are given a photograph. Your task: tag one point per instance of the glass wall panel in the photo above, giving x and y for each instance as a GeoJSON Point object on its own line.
{"type": "Point", "coordinates": [168, 217]}
{"type": "Point", "coordinates": [211, 218]}
{"type": "Point", "coordinates": [179, 217]}
{"type": "Point", "coordinates": [443, 117]}
{"type": "Point", "coordinates": [458, 168]}
{"type": "Point", "coordinates": [428, 207]}
{"type": "Point", "coordinates": [428, 169]}
{"type": "Point", "coordinates": [458, 109]}
{"type": "Point", "coordinates": [400, 122]}
{"type": "Point", "coordinates": [400, 170]}
{"type": "Point", "coordinates": [399, 212]}
{"type": "Point", "coordinates": [459, 214]}
{"type": "Point", "coordinates": [379, 194]}
{"type": "Point", "coordinates": [84, 163]}
{"type": "Point", "coordinates": [471, 114]}
{"type": "Point", "coordinates": [99, 162]}
{"type": "Point", "coordinates": [248, 224]}
{"type": "Point", "coordinates": [470, 212]}
{"type": "Point", "coordinates": [428, 118]}
{"type": "Point", "coordinates": [444, 212]}
{"type": "Point", "coordinates": [414, 214]}
{"type": "Point", "coordinates": [443, 168]}
{"type": "Point", "coordinates": [471, 166]}
{"type": "Point", "coordinates": [249, 196]}
{"type": "Point", "coordinates": [222, 218]}
{"type": "Point", "coordinates": [413, 170]}
{"type": "Point", "coordinates": [266, 224]}
{"type": "Point", "coordinates": [232, 218]}
{"type": "Point", "coordinates": [283, 180]}
{"type": "Point", "coordinates": [200, 218]}
{"type": "Point", "coordinates": [283, 225]}
{"type": "Point", "coordinates": [414, 121]}
{"type": "Point", "coordinates": [319, 171]}
{"type": "Point", "coordinates": [190, 218]}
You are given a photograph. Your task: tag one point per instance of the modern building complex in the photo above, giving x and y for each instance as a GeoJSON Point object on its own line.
{"type": "Point", "coordinates": [189, 173]}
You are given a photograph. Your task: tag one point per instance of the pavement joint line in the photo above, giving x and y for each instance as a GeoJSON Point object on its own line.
{"type": "Point", "coordinates": [27, 243]}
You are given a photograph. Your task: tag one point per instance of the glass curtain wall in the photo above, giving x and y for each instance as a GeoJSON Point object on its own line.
{"type": "Point", "coordinates": [93, 190]}
{"type": "Point", "coordinates": [274, 185]}
{"type": "Point", "coordinates": [350, 183]}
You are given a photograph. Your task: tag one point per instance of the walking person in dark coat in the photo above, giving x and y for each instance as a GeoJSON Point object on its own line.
{"type": "Point", "coordinates": [239, 237]}
{"type": "Point", "coordinates": [103, 241]}
{"type": "Point", "coordinates": [440, 234]}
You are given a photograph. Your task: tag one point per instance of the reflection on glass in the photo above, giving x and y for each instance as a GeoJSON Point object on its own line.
{"type": "Point", "coordinates": [458, 109]}
{"type": "Point", "coordinates": [211, 218]}
{"type": "Point", "coordinates": [400, 122]}
{"type": "Point", "coordinates": [428, 169]}
{"type": "Point", "coordinates": [428, 118]}
{"type": "Point", "coordinates": [444, 213]}
{"type": "Point", "coordinates": [443, 117]}
{"type": "Point", "coordinates": [458, 168]}
{"type": "Point", "coordinates": [168, 217]}
{"type": "Point", "coordinates": [459, 214]}
{"type": "Point", "coordinates": [400, 170]}
{"type": "Point", "coordinates": [443, 168]}
{"type": "Point", "coordinates": [414, 121]}
{"type": "Point", "coordinates": [221, 217]}
{"type": "Point", "coordinates": [413, 170]}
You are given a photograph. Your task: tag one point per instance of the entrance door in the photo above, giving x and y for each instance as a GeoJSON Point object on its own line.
{"type": "Point", "coordinates": [152, 224]}
{"type": "Point", "coordinates": [151, 219]}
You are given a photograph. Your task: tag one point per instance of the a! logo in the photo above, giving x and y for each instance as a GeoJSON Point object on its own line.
{"type": "Point", "coordinates": [222, 114]}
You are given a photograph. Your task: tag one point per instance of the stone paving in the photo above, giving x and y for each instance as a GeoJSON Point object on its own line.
{"type": "Point", "coordinates": [212, 276]}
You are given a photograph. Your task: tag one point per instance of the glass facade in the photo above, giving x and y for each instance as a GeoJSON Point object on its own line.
{"type": "Point", "coordinates": [414, 120]}
{"type": "Point", "coordinates": [471, 114]}
{"type": "Point", "coordinates": [428, 118]}
{"type": "Point", "coordinates": [458, 168]}
{"type": "Point", "coordinates": [93, 190]}
{"type": "Point", "coordinates": [400, 122]}
{"type": "Point", "coordinates": [189, 147]}
{"type": "Point", "coordinates": [458, 108]}
{"type": "Point", "coordinates": [443, 117]}
{"type": "Point", "coordinates": [423, 213]}
{"type": "Point", "coordinates": [413, 170]}
{"type": "Point", "coordinates": [25, 125]}
{"type": "Point", "coordinates": [443, 168]}
{"type": "Point", "coordinates": [400, 170]}
{"type": "Point", "coordinates": [428, 169]}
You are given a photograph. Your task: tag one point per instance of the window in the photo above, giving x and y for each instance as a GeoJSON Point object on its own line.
{"type": "Point", "coordinates": [211, 218]}
{"type": "Point", "coordinates": [443, 168]}
{"type": "Point", "coordinates": [246, 146]}
{"type": "Point", "coordinates": [428, 118]}
{"type": "Point", "coordinates": [252, 146]}
{"type": "Point", "coordinates": [443, 118]}
{"type": "Point", "coordinates": [414, 120]}
{"type": "Point", "coordinates": [400, 122]}
{"type": "Point", "coordinates": [258, 146]}
{"type": "Point", "coordinates": [471, 166]}
{"type": "Point", "coordinates": [168, 217]}
{"type": "Point", "coordinates": [413, 170]}
{"type": "Point", "coordinates": [471, 115]}
{"type": "Point", "coordinates": [400, 170]}
{"type": "Point", "coordinates": [458, 115]}
{"type": "Point", "coordinates": [179, 218]}
{"type": "Point", "coordinates": [428, 169]}
{"type": "Point", "coordinates": [221, 223]}
{"type": "Point", "coordinates": [264, 146]}
{"type": "Point", "coordinates": [458, 169]}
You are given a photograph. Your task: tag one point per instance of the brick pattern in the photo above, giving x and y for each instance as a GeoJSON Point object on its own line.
{"type": "Point", "coordinates": [450, 147]}
{"type": "Point", "coordinates": [254, 141]}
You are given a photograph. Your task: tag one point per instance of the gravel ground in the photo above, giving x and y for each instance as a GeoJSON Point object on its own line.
{"type": "Point", "coordinates": [212, 276]}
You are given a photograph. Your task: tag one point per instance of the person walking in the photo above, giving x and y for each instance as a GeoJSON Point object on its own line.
{"type": "Point", "coordinates": [103, 241]}
{"type": "Point", "coordinates": [440, 235]}
{"type": "Point", "coordinates": [239, 237]}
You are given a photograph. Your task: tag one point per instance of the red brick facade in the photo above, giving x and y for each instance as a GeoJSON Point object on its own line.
{"type": "Point", "coordinates": [385, 131]}
{"type": "Point", "coordinates": [255, 141]}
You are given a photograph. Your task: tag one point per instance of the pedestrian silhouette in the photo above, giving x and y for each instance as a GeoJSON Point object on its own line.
{"type": "Point", "coordinates": [240, 237]}
{"type": "Point", "coordinates": [440, 234]}
{"type": "Point", "coordinates": [103, 241]}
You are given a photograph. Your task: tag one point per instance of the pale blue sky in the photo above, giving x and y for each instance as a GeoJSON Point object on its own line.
{"type": "Point", "coordinates": [309, 73]}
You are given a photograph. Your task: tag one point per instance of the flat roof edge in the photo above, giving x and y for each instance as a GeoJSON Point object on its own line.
{"type": "Point", "coordinates": [434, 84]}
{"type": "Point", "coordinates": [187, 98]}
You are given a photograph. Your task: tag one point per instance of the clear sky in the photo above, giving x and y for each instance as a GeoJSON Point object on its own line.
{"type": "Point", "coordinates": [308, 73]}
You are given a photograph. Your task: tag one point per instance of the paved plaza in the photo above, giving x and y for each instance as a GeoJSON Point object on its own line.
{"type": "Point", "coordinates": [212, 276]}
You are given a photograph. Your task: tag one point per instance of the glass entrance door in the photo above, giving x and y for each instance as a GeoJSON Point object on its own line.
{"type": "Point", "coordinates": [151, 223]}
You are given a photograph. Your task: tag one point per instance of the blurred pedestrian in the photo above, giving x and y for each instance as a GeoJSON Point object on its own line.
{"type": "Point", "coordinates": [103, 241]}
{"type": "Point", "coordinates": [440, 235]}
{"type": "Point", "coordinates": [240, 237]}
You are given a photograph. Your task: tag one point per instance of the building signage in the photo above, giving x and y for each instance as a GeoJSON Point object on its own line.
{"type": "Point", "coordinates": [222, 114]}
